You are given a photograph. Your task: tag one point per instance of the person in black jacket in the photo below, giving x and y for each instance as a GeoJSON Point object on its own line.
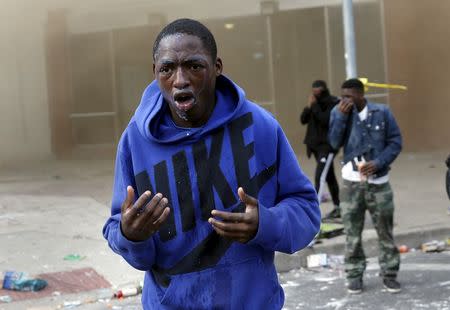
{"type": "Point", "coordinates": [317, 115]}
{"type": "Point", "coordinates": [447, 179]}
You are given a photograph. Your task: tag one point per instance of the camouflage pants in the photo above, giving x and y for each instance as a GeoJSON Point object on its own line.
{"type": "Point", "coordinates": [378, 200]}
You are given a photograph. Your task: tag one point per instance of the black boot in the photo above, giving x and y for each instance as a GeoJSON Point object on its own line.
{"type": "Point", "coordinates": [333, 216]}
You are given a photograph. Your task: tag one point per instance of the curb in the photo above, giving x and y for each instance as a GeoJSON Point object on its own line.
{"type": "Point", "coordinates": [412, 238]}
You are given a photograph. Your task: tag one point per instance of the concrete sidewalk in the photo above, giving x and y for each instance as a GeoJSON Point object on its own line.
{"type": "Point", "coordinates": [52, 209]}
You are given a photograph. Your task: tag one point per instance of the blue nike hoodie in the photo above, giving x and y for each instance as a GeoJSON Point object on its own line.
{"type": "Point", "coordinates": [188, 265]}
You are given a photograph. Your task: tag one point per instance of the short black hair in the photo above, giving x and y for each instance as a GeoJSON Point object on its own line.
{"type": "Point", "coordinates": [319, 83]}
{"type": "Point", "coordinates": [355, 84]}
{"type": "Point", "coordinates": [189, 27]}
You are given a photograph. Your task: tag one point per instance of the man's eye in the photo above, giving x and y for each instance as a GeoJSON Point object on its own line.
{"type": "Point", "coordinates": [164, 70]}
{"type": "Point", "coordinates": [196, 67]}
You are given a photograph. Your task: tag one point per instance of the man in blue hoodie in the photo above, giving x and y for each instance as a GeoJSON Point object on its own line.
{"type": "Point", "coordinates": [371, 140]}
{"type": "Point", "coordinates": [206, 186]}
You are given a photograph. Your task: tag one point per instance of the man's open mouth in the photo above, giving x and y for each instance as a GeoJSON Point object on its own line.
{"type": "Point", "coordinates": [184, 100]}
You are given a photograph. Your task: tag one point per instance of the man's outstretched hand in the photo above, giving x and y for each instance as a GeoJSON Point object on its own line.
{"type": "Point", "coordinates": [143, 218]}
{"type": "Point", "coordinates": [241, 227]}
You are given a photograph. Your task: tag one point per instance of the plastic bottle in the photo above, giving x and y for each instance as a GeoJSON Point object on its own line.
{"type": "Point", "coordinates": [32, 285]}
{"type": "Point", "coordinates": [129, 291]}
{"type": "Point", "coordinates": [19, 281]}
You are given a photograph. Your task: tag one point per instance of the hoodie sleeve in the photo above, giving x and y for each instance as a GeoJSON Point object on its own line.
{"type": "Point", "coordinates": [140, 255]}
{"type": "Point", "coordinates": [293, 222]}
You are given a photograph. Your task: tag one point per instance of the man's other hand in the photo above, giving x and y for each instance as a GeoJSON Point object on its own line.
{"type": "Point", "coordinates": [241, 227]}
{"type": "Point", "coordinates": [368, 168]}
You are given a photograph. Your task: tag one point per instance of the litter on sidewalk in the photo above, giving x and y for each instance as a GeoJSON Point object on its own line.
{"type": "Point", "coordinates": [77, 303]}
{"type": "Point", "coordinates": [330, 230]}
{"type": "Point", "coordinates": [128, 291]}
{"type": "Point", "coordinates": [403, 248]}
{"type": "Point", "coordinates": [335, 261]}
{"type": "Point", "coordinates": [317, 260]}
{"type": "Point", "coordinates": [433, 246]}
{"type": "Point", "coordinates": [74, 257]}
{"type": "Point", "coordinates": [71, 304]}
{"type": "Point", "coordinates": [324, 260]}
{"type": "Point", "coordinates": [5, 298]}
{"type": "Point", "coordinates": [19, 281]}
{"type": "Point", "coordinates": [104, 296]}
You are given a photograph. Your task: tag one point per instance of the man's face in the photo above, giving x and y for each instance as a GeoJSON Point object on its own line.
{"type": "Point", "coordinates": [317, 92]}
{"type": "Point", "coordinates": [354, 96]}
{"type": "Point", "coordinates": [186, 75]}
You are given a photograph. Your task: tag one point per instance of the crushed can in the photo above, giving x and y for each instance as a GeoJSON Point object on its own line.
{"type": "Point", "coordinates": [433, 246]}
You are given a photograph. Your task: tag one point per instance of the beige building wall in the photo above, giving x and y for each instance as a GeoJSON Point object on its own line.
{"type": "Point", "coordinates": [32, 103]}
{"type": "Point", "coordinates": [24, 122]}
{"type": "Point", "coordinates": [418, 55]}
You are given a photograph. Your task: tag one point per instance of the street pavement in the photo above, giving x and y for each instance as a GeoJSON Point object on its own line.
{"type": "Point", "coordinates": [425, 279]}
{"type": "Point", "coordinates": [51, 209]}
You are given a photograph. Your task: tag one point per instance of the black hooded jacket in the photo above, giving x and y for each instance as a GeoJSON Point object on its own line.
{"type": "Point", "coordinates": [447, 179]}
{"type": "Point", "coordinates": [317, 118]}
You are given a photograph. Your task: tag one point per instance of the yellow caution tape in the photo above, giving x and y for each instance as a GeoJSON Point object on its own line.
{"type": "Point", "coordinates": [368, 84]}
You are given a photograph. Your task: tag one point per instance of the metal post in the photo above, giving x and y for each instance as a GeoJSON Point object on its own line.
{"type": "Point", "coordinates": [115, 104]}
{"type": "Point", "coordinates": [349, 39]}
{"type": "Point", "coordinates": [271, 74]}
{"type": "Point", "coordinates": [268, 9]}
{"type": "Point", "coordinates": [330, 76]}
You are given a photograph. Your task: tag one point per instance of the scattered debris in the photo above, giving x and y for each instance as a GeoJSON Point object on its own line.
{"type": "Point", "coordinates": [446, 283]}
{"type": "Point", "coordinates": [290, 284]}
{"type": "Point", "coordinates": [403, 249]}
{"type": "Point", "coordinates": [76, 303]}
{"type": "Point", "coordinates": [433, 246]}
{"type": "Point", "coordinates": [330, 230]}
{"type": "Point", "coordinates": [317, 260]}
{"type": "Point", "coordinates": [5, 298]}
{"type": "Point", "coordinates": [329, 280]}
{"type": "Point", "coordinates": [128, 291]}
{"type": "Point", "coordinates": [72, 304]}
{"type": "Point", "coordinates": [324, 260]}
{"type": "Point", "coordinates": [334, 261]}
{"type": "Point", "coordinates": [19, 281]}
{"type": "Point", "coordinates": [74, 257]}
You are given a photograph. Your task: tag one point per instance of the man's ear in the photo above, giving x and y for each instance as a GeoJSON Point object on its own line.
{"type": "Point", "coordinates": [219, 66]}
{"type": "Point", "coordinates": [153, 69]}
{"type": "Point", "coordinates": [361, 95]}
